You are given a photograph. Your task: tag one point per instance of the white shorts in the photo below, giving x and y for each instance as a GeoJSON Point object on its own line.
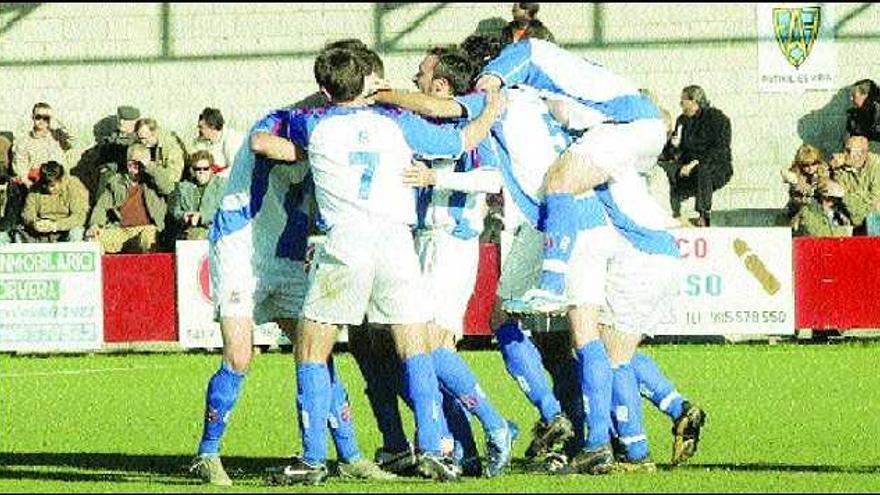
{"type": "Point", "coordinates": [367, 269]}
{"type": "Point", "coordinates": [449, 269]}
{"type": "Point", "coordinates": [640, 290]}
{"type": "Point", "coordinates": [247, 287]}
{"type": "Point", "coordinates": [585, 280]}
{"type": "Point", "coordinates": [616, 148]}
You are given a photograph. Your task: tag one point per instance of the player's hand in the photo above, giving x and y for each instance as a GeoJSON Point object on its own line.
{"type": "Point", "coordinates": [308, 257]}
{"type": "Point", "coordinates": [195, 218]}
{"type": "Point", "coordinates": [419, 175]}
{"type": "Point", "coordinates": [789, 177]}
{"type": "Point", "coordinates": [93, 232]}
{"type": "Point", "coordinates": [837, 160]}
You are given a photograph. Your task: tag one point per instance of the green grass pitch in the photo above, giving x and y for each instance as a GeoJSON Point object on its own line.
{"type": "Point", "coordinates": [782, 418]}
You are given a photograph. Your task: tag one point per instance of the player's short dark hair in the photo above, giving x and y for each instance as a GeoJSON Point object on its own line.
{"type": "Point", "coordinates": [346, 44]}
{"type": "Point", "coordinates": [50, 172]}
{"type": "Point", "coordinates": [454, 65]}
{"type": "Point", "coordinates": [341, 73]}
{"type": "Point", "coordinates": [522, 29]}
{"type": "Point", "coordinates": [373, 61]}
{"type": "Point", "coordinates": [213, 118]}
{"type": "Point", "coordinates": [481, 48]}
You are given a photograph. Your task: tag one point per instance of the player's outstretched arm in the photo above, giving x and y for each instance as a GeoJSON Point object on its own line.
{"type": "Point", "coordinates": [478, 129]}
{"type": "Point", "coordinates": [422, 104]}
{"type": "Point", "coordinates": [274, 147]}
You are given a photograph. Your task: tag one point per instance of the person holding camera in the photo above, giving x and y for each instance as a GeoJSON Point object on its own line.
{"type": "Point", "coordinates": [48, 140]}
{"type": "Point", "coordinates": [56, 207]}
{"type": "Point", "coordinates": [130, 212]}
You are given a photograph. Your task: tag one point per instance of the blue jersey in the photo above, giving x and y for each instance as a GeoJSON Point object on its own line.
{"type": "Point", "coordinates": [358, 154]}
{"type": "Point", "coordinates": [462, 213]}
{"type": "Point", "coordinates": [268, 197]}
{"type": "Point", "coordinates": [604, 95]}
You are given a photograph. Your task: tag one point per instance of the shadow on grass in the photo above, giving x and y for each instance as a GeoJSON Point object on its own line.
{"type": "Point", "coordinates": [118, 468]}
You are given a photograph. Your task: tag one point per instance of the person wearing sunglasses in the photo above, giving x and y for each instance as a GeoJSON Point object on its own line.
{"type": "Point", "coordinates": [196, 199]}
{"type": "Point", "coordinates": [48, 140]}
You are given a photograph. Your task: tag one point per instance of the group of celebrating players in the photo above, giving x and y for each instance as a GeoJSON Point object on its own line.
{"type": "Point", "coordinates": [397, 181]}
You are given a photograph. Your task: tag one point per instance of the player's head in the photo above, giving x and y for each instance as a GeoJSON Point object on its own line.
{"type": "Point", "coordinates": [522, 29]}
{"type": "Point", "coordinates": [340, 74]}
{"type": "Point", "coordinates": [481, 48]}
{"type": "Point", "coordinates": [346, 44]}
{"type": "Point", "coordinates": [444, 71]}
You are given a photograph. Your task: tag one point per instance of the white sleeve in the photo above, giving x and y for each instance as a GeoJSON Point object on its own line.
{"type": "Point", "coordinates": [479, 180]}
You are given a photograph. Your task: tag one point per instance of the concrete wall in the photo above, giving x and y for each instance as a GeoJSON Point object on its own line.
{"type": "Point", "coordinates": [171, 60]}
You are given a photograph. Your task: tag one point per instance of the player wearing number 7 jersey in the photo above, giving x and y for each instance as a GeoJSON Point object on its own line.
{"type": "Point", "coordinates": [368, 266]}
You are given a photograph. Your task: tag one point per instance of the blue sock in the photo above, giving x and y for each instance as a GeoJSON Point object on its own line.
{"type": "Point", "coordinates": [596, 379]}
{"type": "Point", "coordinates": [560, 228]}
{"type": "Point", "coordinates": [459, 425]}
{"type": "Point", "coordinates": [422, 389]}
{"type": "Point", "coordinates": [223, 390]}
{"type": "Point", "coordinates": [523, 362]}
{"type": "Point", "coordinates": [313, 403]}
{"type": "Point", "coordinates": [566, 375]}
{"type": "Point", "coordinates": [627, 414]}
{"type": "Point", "coordinates": [455, 376]}
{"type": "Point", "coordinates": [655, 386]}
{"type": "Point", "coordinates": [341, 427]}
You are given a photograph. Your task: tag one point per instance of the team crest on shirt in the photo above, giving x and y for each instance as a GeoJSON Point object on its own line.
{"type": "Point", "coordinates": [212, 415]}
{"type": "Point", "coordinates": [796, 31]}
{"type": "Point", "coordinates": [363, 137]}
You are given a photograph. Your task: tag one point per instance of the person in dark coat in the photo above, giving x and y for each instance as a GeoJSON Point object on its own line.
{"type": "Point", "coordinates": [697, 157]}
{"type": "Point", "coordinates": [863, 119]}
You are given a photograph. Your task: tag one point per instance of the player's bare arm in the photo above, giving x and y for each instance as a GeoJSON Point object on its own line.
{"type": "Point", "coordinates": [276, 148]}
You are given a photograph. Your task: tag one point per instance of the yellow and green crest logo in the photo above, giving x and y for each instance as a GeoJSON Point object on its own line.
{"type": "Point", "coordinates": [796, 32]}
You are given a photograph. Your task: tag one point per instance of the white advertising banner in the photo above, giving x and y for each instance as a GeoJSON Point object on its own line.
{"type": "Point", "coordinates": [796, 50]}
{"type": "Point", "coordinates": [51, 297]}
{"type": "Point", "coordinates": [733, 281]}
{"type": "Point", "coordinates": [195, 309]}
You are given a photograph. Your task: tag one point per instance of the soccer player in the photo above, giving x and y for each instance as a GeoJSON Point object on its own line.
{"type": "Point", "coordinates": [367, 265]}
{"type": "Point", "coordinates": [452, 207]}
{"type": "Point", "coordinates": [257, 245]}
{"type": "Point", "coordinates": [625, 135]}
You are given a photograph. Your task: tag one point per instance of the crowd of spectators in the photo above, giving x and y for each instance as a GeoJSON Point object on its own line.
{"type": "Point", "coordinates": [140, 188]}
{"type": "Point", "coordinates": [128, 192]}
{"type": "Point", "coordinates": [839, 196]}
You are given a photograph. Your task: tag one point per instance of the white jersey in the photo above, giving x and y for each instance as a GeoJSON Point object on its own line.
{"type": "Point", "coordinates": [358, 154]}
{"type": "Point", "coordinates": [604, 95]}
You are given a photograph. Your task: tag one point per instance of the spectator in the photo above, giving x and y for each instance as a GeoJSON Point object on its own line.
{"type": "Point", "coordinates": [48, 140]}
{"type": "Point", "coordinates": [165, 152]}
{"type": "Point", "coordinates": [863, 119]}
{"type": "Point", "coordinates": [525, 11]}
{"type": "Point", "coordinates": [130, 211]}
{"type": "Point", "coordinates": [56, 207]}
{"type": "Point", "coordinates": [194, 202]}
{"type": "Point", "coordinates": [519, 29]}
{"type": "Point", "coordinates": [804, 176]}
{"type": "Point", "coordinates": [11, 203]}
{"type": "Point", "coordinates": [218, 138]}
{"type": "Point", "coordinates": [697, 156]}
{"type": "Point", "coordinates": [856, 183]}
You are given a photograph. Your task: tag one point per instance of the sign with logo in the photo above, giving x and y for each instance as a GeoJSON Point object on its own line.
{"type": "Point", "coordinates": [51, 297]}
{"type": "Point", "coordinates": [733, 281]}
{"type": "Point", "coordinates": [796, 49]}
{"type": "Point", "coordinates": [196, 311]}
